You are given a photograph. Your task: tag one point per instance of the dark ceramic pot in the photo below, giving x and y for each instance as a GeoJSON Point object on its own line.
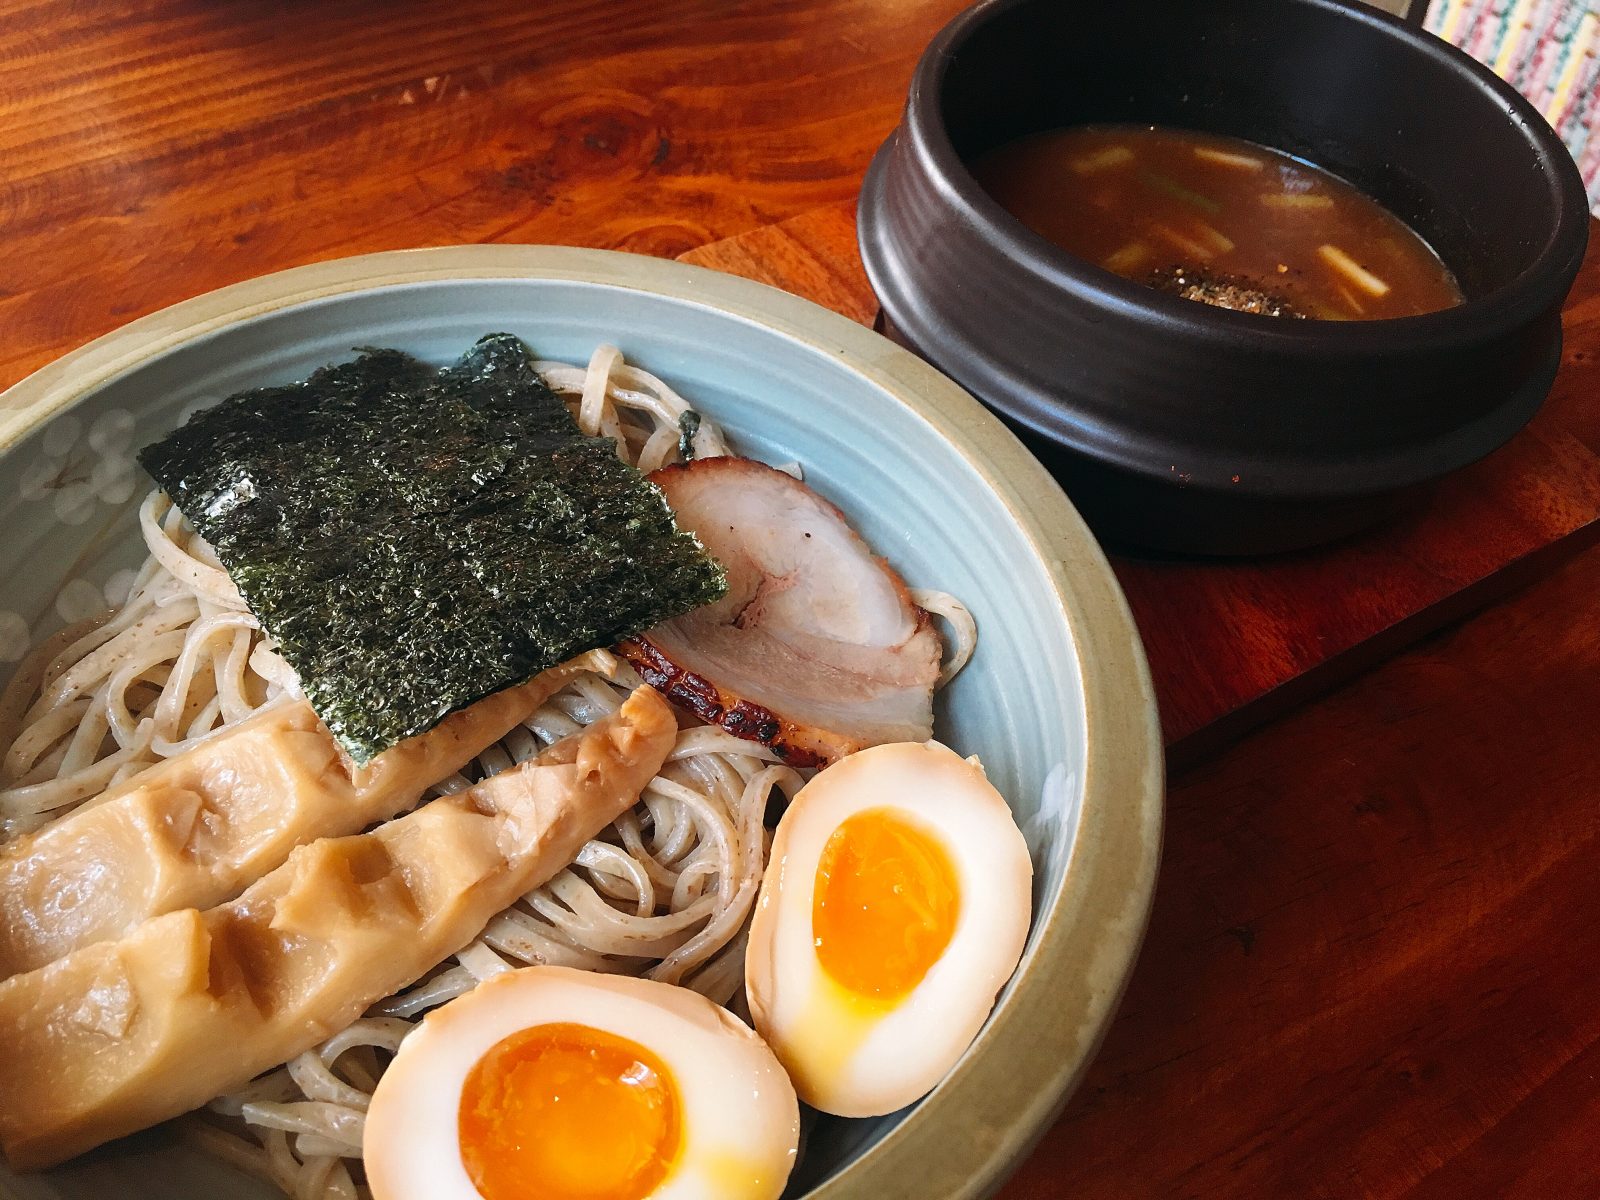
{"type": "Point", "coordinates": [1181, 427]}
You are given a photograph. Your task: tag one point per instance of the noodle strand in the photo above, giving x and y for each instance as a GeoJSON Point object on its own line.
{"type": "Point", "coordinates": [665, 892]}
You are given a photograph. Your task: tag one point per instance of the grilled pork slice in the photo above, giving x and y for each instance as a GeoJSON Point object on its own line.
{"type": "Point", "coordinates": [817, 649]}
{"type": "Point", "coordinates": [199, 828]}
{"type": "Point", "coordinates": [121, 1035]}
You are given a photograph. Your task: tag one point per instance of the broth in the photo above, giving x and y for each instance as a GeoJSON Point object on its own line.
{"type": "Point", "coordinates": [1217, 219]}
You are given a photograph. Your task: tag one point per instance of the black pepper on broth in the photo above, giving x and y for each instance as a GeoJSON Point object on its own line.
{"type": "Point", "coordinates": [1218, 220]}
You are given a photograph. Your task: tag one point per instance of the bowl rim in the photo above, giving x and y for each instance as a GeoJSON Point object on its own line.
{"type": "Point", "coordinates": [1090, 930]}
{"type": "Point", "coordinates": [1467, 323]}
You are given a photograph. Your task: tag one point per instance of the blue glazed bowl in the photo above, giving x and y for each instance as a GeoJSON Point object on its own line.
{"type": "Point", "coordinates": [1057, 700]}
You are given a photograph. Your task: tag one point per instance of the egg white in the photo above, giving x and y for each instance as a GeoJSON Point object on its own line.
{"type": "Point", "coordinates": [846, 1058]}
{"type": "Point", "coordinates": [740, 1119]}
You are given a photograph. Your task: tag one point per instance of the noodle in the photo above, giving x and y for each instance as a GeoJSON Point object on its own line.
{"type": "Point", "coordinates": [963, 628]}
{"type": "Point", "coordinates": [102, 700]}
{"type": "Point", "coordinates": [666, 892]}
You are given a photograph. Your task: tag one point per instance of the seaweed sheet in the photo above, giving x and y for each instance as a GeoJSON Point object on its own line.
{"type": "Point", "coordinates": [417, 539]}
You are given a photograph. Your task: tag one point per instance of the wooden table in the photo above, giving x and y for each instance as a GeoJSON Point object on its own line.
{"type": "Point", "coordinates": [1373, 965]}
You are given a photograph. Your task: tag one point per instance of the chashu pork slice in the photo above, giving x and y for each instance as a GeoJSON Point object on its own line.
{"type": "Point", "coordinates": [199, 828]}
{"type": "Point", "coordinates": [817, 649]}
{"type": "Point", "coordinates": [122, 1035]}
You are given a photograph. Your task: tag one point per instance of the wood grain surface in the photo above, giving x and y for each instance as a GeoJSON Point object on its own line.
{"type": "Point", "coordinates": [1233, 643]}
{"type": "Point", "coordinates": [1373, 961]}
{"type": "Point", "coordinates": [155, 149]}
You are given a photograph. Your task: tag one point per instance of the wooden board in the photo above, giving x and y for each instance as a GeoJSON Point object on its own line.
{"type": "Point", "coordinates": [1232, 643]}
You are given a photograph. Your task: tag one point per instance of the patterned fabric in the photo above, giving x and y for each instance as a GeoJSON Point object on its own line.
{"type": "Point", "coordinates": [1549, 50]}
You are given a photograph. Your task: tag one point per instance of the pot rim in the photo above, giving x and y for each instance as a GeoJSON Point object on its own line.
{"type": "Point", "coordinates": [1303, 475]}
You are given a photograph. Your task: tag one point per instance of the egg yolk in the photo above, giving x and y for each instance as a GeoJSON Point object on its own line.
{"type": "Point", "coordinates": [884, 906]}
{"type": "Point", "coordinates": [566, 1112]}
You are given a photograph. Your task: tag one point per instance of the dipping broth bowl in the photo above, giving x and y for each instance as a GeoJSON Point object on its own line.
{"type": "Point", "coordinates": [1181, 427]}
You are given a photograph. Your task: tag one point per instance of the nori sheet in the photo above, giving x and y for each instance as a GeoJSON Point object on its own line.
{"type": "Point", "coordinates": [416, 539]}
{"type": "Point", "coordinates": [688, 426]}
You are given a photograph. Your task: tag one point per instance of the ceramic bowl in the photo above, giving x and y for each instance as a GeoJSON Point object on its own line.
{"type": "Point", "coordinates": [1057, 700]}
{"type": "Point", "coordinates": [1184, 427]}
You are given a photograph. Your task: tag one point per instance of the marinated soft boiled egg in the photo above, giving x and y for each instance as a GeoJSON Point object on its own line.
{"type": "Point", "coordinates": [552, 1084]}
{"type": "Point", "coordinates": [894, 908]}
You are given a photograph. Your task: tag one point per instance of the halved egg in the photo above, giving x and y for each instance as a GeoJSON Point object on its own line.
{"type": "Point", "coordinates": [894, 908]}
{"type": "Point", "coordinates": [553, 1084]}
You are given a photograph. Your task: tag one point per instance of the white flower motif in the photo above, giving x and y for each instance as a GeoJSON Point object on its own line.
{"type": "Point", "coordinates": [79, 600]}
{"type": "Point", "coordinates": [115, 478]}
{"type": "Point", "coordinates": [34, 482]}
{"type": "Point", "coordinates": [73, 503]}
{"type": "Point", "coordinates": [194, 406]}
{"type": "Point", "coordinates": [119, 586]}
{"type": "Point", "coordinates": [14, 637]}
{"type": "Point", "coordinates": [76, 468]}
{"type": "Point", "coordinates": [36, 476]}
{"type": "Point", "coordinates": [111, 435]}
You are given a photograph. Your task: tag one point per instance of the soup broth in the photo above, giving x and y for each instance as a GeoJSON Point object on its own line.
{"type": "Point", "coordinates": [1218, 219]}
